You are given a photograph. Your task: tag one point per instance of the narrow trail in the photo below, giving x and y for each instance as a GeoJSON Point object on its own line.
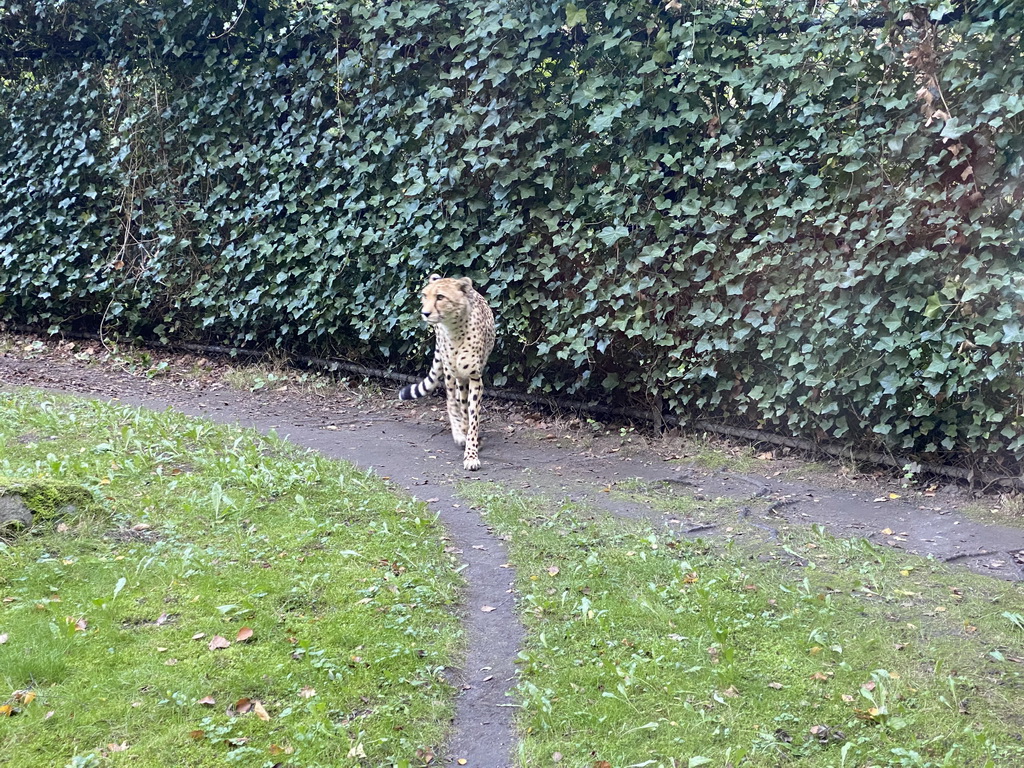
{"type": "Point", "coordinates": [409, 444]}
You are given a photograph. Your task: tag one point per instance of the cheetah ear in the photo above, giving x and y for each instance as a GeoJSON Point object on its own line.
{"type": "Point", "coordinates": [465, 284]}
{"type": "Point", "coordinates": [434, 277]}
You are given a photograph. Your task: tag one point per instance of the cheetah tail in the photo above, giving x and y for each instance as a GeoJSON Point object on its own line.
{"type": "Point", "coordinates": [429, 384]}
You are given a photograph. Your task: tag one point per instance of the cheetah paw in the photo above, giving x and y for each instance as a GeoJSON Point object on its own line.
{"type": "Point", "coordinates": [471, 464]}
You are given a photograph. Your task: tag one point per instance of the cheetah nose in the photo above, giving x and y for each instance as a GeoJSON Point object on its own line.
{"type": "Point", "coordinates": [426, 314]}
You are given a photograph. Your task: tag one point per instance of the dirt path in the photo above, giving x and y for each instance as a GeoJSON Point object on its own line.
{"type": "Point", "coordinates": [410, 444]}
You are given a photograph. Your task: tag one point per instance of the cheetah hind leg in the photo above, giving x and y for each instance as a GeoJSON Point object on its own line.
{"type": "Point", "coordinates": [457, 413]}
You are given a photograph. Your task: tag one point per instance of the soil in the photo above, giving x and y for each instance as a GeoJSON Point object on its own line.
{"type": "Point", "coordinates": [561, 457]}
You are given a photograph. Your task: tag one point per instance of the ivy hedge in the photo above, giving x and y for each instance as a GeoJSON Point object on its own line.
{"type": "Point", "coordinates": [799, 216]}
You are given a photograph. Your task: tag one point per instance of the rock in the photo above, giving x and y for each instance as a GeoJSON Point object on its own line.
{"type": "Point", "coordinates": [14, 514]}
{"type": "Point", "coordinates": [24, 502]}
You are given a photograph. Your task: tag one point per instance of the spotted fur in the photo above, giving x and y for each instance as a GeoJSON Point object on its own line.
{"type": "Point", "coordinates": [464, 330]}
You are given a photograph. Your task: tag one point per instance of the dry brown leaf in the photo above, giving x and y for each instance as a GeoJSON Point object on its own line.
{"type": "Point", "coordinates": [553, 570]}
{"type": "Point", "coordinates": [198, 635]}
{"type": "Point", "coordinates": [207, 701]}
{"type": "Point", "coordinates": [244, 634]}
{"type": "Point", "coordinates": [218, 643]}
{"type": "Point", "coordinates": [488, 608]}
{"type": "Point", "coordinates": [242, 706]}
{"type": "Point", "coordinates": [261, 713]}
{"type": "Point", "coordinates": [306, 692]}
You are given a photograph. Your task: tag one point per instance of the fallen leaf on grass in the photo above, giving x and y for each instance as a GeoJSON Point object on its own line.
{"type": "Point", "coordinates": [306, 692]}
{"type": "Point", "coordinates": [80, 625]}
{"type": "Point", "coordinates": [6, 710]}
{"type": "Point", "coordinates": [488, 608]}
{"type": "Point", "coordinates": [25, 697]}
{"type": "Point", "coordinates": [553, 570]}
{"type": "Point", "coordinates": [261, 713]}
{"type": "Point", "coordinates": [276, 750]}
{"type": "Point", "coordinates": [198, 635]}
{"type": "Point", "coordinates": [240, 707]}
{"type": "Point", "coordinates": [197, 735]}
{"type": "Point", "coordinates": [207, 701]}
{"type": "Point", "coordinates": [219, 642]}
{"type": "Point", "coordinates": [122, 747]}
{"type": "Point", "coordinates": [244, 634]}
{"type": "Point", "coordinates": [3, 638]}
{"type": "Point", "coordinates": [874, 714]}
{"type": "Point", "coordinates": [776, 686]}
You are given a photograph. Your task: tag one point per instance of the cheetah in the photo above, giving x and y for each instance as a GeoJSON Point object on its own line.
{"type": "Point", "coordinates": [464, 330]}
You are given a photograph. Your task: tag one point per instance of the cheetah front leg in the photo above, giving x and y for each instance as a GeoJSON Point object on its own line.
{"type": "Point", "coordinates": [474, 396]}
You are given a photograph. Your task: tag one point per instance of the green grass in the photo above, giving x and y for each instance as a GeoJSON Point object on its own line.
{"type": "Point", "coordinates": [107, 617]}
{"type": "Point", "coordinates": [645, 649]}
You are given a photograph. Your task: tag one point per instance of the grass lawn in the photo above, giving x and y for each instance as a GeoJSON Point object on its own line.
{"type": "Point", "coordinates": [228, 599]}
{"type": "Point", "coordinates": [648, 649]}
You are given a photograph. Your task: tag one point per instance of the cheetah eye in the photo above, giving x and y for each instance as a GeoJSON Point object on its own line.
{"type": "Point", "coordinates": [442, 297]}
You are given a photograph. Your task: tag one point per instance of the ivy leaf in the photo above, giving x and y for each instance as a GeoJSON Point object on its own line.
{"type": "Point", "coordinates": [574, 16]}
{"type": "Point", "coordinates": [933, 306]}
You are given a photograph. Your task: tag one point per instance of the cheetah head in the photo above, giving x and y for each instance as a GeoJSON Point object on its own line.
{"type": "Point", "coordinates": [445, 298]}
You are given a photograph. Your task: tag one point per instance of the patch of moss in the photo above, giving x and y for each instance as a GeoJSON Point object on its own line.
{"type": "Point", "coordinates": [48, 499]}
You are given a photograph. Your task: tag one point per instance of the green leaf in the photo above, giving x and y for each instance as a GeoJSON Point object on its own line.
{"type": "Point", "coordinates": [933, 306]}
{"type": "Point", "coordinates": [574, 16]}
